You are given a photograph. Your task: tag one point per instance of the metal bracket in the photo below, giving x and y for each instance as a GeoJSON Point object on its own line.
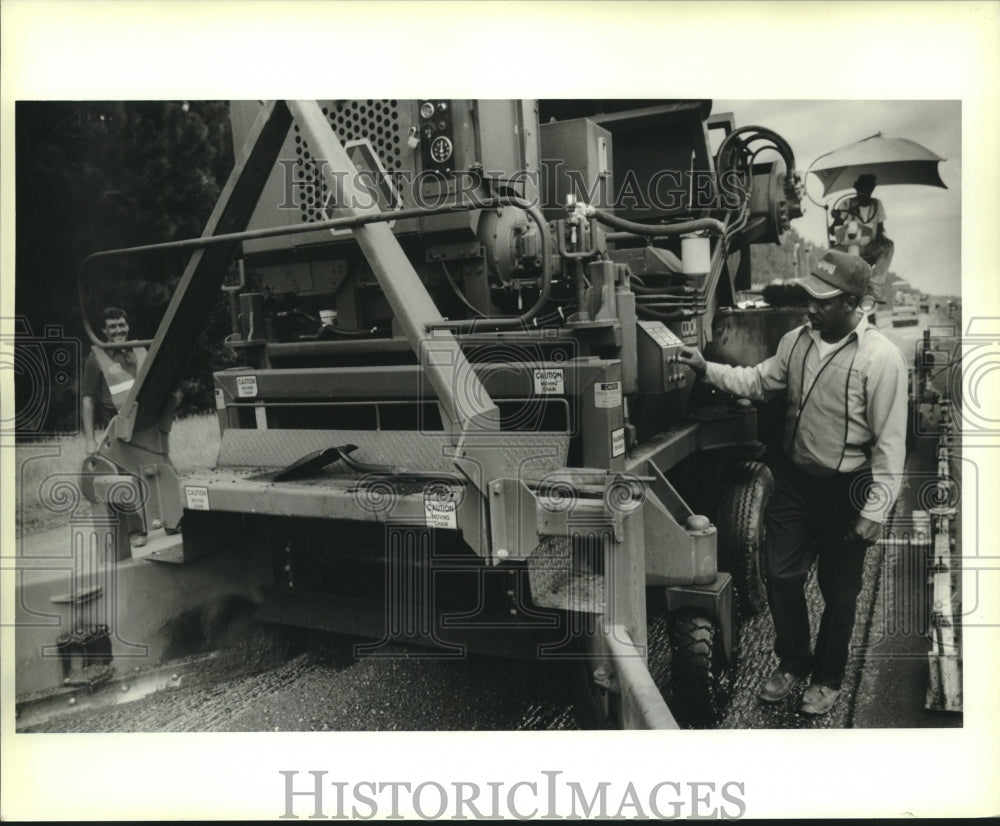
{"type": "Point", "coordinates": [514, 527]}
{"type": "Point", "coordinates": [715, 600]}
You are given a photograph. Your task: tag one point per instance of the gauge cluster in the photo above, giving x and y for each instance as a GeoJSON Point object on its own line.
{"type": "Point", "coordinates": [437, 144]}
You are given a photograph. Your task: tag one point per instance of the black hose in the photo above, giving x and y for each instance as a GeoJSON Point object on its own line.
{"type": "Point", "coordinates": [640, 290]}
{"type": "Point", "coordinates": [656, 230]}
{"type": "Point", "coordinates": [759, 133]}
{"type": "Point", "coordinates": [679, 315]}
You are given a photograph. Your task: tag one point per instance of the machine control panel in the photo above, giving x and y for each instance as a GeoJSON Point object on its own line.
{"type": "Point", "coordinates": [437, 140]}
{"type": "Point", "coordinates": [659, 370]}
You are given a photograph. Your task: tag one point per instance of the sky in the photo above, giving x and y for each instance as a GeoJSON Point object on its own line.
{"type": "Point", "coordinates": [924, 222]}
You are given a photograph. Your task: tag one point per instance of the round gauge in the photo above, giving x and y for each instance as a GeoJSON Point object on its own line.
{"type": "Point", "coordinates": [441, 149]}
{"type": "Point", "coordinates": [426, 109]}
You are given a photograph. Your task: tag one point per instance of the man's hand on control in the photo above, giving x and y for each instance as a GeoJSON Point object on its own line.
{"type": "Point", "coordinates": [693, 359]}
{"type": "Point", "coordinates": [864, 530]}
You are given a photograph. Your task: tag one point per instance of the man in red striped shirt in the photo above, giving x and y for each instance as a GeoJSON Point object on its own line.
{"type": "Point", "coordinates": [108, 376]}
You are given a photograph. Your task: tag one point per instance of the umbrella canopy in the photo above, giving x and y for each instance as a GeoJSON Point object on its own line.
{"type": "Point", "coordinates": [891, 160]}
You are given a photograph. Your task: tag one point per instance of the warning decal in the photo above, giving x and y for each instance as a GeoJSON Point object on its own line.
{"type": "Point", "coordinates": [440, 513]}
{"type": "Point", "coordinates": [618, 442]}
{"type": "Point", "coordinates": [246, 386]}
{"type": "Point", "coordinates": [197, 498]}
{"type": "Point", "coordinates": [608, 394]}
{"type": "Point", "coordinates": [549, 381]}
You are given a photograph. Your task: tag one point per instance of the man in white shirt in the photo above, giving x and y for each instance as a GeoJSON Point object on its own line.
{"type": "Point", "coordinates": [844, 449]}
{"type": "Point", "coordinates": [859, 222]}
{"type": "Point", "coordinates": [863, 209]}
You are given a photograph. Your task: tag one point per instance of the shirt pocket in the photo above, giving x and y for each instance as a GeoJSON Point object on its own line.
{"type": "Point", "coordinates": [846, 390]}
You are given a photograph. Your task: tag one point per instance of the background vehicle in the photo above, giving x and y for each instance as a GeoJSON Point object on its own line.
{"type": "Point", "coordinates": [904, 315]}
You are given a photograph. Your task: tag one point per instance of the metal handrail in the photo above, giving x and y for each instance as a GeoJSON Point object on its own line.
{"type": "Point", "coordinates": [274, 232]}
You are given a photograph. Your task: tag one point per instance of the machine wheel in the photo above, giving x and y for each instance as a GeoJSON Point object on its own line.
{"type": "Point", "coordinates": [741, 536]}
{"type": "Point", "coordinates": [702, 680]}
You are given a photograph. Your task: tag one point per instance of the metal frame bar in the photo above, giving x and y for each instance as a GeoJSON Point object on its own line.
{"type": "Point", "coordinates": [440, 356]}
{"type": "Point", "coordinates": [168, 353]}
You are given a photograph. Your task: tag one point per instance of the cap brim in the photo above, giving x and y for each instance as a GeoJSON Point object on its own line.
{"type": "Point", "coordinates": [817, 287]}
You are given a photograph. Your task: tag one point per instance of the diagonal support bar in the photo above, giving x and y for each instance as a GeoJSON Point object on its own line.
{"type": "Point", "coordinates": [467, 406]}
{"type": "Point", "coordinates": [142, 413]}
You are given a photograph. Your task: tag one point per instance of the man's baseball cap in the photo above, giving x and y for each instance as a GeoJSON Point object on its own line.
{"type": "Point", "coordinates": [835, 273]}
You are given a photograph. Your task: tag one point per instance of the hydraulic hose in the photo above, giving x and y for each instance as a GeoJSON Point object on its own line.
{"type": "Point", "coordinates": [655, 231]}
{"type": "Point", "coordinates": [758, 133]}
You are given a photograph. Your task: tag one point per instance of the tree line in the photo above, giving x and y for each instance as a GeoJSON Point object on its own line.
{"type": "Point", "coordinates": [90, 176]}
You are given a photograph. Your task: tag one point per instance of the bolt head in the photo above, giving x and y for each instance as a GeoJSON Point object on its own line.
{"type": "Point", "coordinates": [697, 522]}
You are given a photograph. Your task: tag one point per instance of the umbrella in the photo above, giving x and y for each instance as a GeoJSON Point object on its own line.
{"type": "Point", "coordinates": [891, 160]}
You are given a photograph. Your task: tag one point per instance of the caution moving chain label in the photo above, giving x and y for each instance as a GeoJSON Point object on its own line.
{"type": "Point", "coordinates": [246, 386]}
{"type": "Point", "coordinates": [440, 513]}
{"type": "Point", "coordinates": [549, 381]}
{"type": "Point", "coordinates": [196, 498]}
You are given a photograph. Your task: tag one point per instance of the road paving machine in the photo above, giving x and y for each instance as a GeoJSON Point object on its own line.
{"type": "Point", "coordinates": [458, 420]}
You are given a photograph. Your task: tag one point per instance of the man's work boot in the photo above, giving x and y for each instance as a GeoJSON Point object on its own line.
{"type": "Point", "coordinates": [779, 685]}
{"type": "Point", "coordinates": [818, 699]}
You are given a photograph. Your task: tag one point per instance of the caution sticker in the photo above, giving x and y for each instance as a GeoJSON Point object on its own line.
{"type": "Point", "coordinates": [220, 399]}
{"type": "Point", "coordinates": [440, 513]}
{"type": "Point", "coordinates": [197, 498]}
{"type": "Point", "coordinates": [618, 442]}
{"type": "Point", "coordinates": [549, 381]}
{"type": "Point", "coordinates": [246, 386]}
{"type": "Point", "coordinates": [608, 394]}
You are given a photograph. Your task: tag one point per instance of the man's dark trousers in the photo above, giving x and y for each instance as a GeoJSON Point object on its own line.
{"type": "Point", "coordinates": [809, 516]}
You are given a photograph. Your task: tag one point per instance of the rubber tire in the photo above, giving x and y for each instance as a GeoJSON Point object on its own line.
{"type": "Point", "coordinates": [702, 681]}
{"type": "Point", "coordinates": [741, 536]}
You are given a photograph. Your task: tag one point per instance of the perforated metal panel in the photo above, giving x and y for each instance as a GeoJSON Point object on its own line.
{"type": "Point", "coordinates": [378, 121]}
